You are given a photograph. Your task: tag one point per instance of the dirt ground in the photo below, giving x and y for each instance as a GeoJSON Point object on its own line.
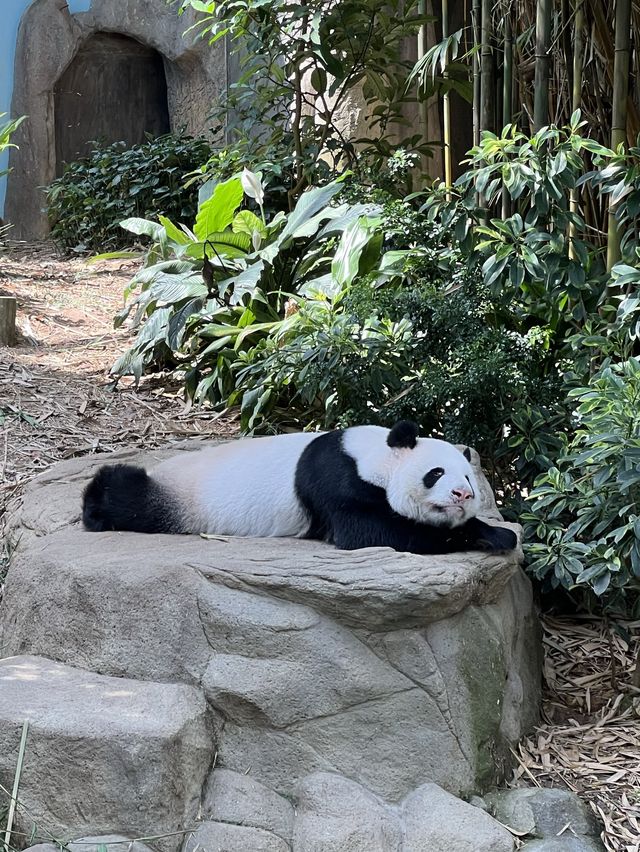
{"type": "Point", "coordinates": [57, 401]}
{"type": "Point", "coordinates": [56, 397]}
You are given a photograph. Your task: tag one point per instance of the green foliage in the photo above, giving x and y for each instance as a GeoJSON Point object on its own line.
{"type": "Point", "coordinates": [114, 182]}
{"type": "Point", "coordinates": [300, 64]}
{"type": "Point", "coordinates": [341, 312]}
{"type": "Point", "coordinates": [528, 258]}
{"type": "Point", "coordinates": [584, 511]}
{"type": "Point", "coordinates": [210, 297]}
{"type": "Point", "coordinates": [6, 132]}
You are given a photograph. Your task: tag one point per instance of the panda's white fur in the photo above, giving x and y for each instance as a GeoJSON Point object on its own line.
{"type": "Point", "coordinates": [243, 487]}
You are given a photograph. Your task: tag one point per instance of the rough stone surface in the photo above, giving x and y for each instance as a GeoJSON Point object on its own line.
{"type": "Point", "coordinates": [435, 821]}
{"type": "Point", "coordinates": [113, 843]}
{"type": "Point", "coordinates": [43, 847]}
{"type": "Point", "coordinates": [335, 814]}
{"type": "Point", "coordinates": [543, 812]}
{"type": "Point", "coordinates": [239, 799]}
{"type": "Point", "coordinates": [565, 843]}
{"type": "Point", "coordinates": [332, 678]}
{"type": "Point", "coordinates": [48, 39]}
{"type": "Point", "coordinates": [102, 752]}
{"type": "Point", "coordinates": [223, 837]}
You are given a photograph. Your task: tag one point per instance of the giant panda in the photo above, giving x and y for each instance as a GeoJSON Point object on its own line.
{"type": "Point", "coordinates": [365, 486]}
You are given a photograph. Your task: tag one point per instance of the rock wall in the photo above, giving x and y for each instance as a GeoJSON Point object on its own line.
{"type": "Point", "coordinates": [49, 38]}
{"type": "Point", "coordinates": [348, 684]}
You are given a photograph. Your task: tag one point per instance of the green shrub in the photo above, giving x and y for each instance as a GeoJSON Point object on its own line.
{"type": "Point", "coordinates": [86, 204]}
{"type": "Point", "coordinates": [585, 512]}
{"type": "Point", "coordinates": [210, 297]}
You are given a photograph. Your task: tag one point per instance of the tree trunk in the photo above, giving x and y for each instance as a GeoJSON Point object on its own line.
{"type": "Point", "coordinates": [543, 62]}
{"type": "Point", "coordinates": [487, 89]}
{"type": "Point", "coordinates": [576, 100]}
{"type": "Point", "coordinates": [446, 104]}
{"type": "Point", "coordinates": [507, 90]}
{"type": "Point", "coordinates": [619, 113]}
{"type": "Point", "coordinates": [7, 321]}
{"type": "Point", "coordinates": [475, 20]}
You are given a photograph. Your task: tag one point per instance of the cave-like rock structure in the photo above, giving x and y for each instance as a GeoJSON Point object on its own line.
{"type": "Point", "coordinates": [257, 694]}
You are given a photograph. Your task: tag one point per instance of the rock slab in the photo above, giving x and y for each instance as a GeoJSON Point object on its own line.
{"type": "Point", "coordinates": [544, 813]}
{"type": "Point", "coordinates": [102, 752]}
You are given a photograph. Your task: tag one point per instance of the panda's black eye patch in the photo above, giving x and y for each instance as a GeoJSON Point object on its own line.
{"type": "Point", "coordinates": [433, 476]}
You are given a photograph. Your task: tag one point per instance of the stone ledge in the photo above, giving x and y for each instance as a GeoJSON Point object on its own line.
{"type": "Point", "coordinates": [102, 753]}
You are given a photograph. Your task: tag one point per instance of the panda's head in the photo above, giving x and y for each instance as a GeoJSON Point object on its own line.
{"type": "Point", "coordinates": [428, 480]}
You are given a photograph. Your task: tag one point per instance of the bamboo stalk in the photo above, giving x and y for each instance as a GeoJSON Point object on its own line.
{"type": "Point", "coordinates": [446, 106]}
{"type": "Point", "coordinates": [475, 20]}
{"type": "Point", "coordinates": [543, 62]}
{"type": "Point", "coordinates": [423, 107]}
{"type": "Point", "coordinates": [507, 94]}
{"type": "Point", "coordinates": [619, 113]}
{"type": "Point", "coordinates": [576, 101]}
{"type": "Point", "coordinates": [16, 786]}
{"type": "Point", "coordinates": [486, 69]}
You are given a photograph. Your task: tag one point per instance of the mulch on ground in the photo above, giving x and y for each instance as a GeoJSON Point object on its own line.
{"type": "Point", "coordinates": [589, 739]}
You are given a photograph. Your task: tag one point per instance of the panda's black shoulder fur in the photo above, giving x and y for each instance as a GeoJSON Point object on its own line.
{"type": "Point", "coordinates": [350, 513]}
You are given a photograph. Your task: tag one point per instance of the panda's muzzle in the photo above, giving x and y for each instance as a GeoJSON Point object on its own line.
{"type": "Point", "coordinates": [461, 495]}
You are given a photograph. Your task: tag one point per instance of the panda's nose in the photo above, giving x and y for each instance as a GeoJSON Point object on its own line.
{"type": "Point", "coordinates": [461, 494]}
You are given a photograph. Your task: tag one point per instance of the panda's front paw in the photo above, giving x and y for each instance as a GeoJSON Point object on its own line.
{"type": "Point", "coordinates": [501, 538]}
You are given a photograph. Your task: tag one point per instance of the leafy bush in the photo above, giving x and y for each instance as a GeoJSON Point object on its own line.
{"type": "Point", "coordinates": [211, 295]}
{"type": "Point", "coordinates": [585, 511]}
{"type": "Point", "coordinates": [342, 313]}
{"type": "Point", "coordinates": [300, 65]}
{"type": "Point", "coordinates": [86, 204]}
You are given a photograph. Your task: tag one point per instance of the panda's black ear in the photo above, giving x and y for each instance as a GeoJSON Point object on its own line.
{"type": "Point", "coordinates": [403, 434]}
{"type": "Point", "coordinates": [467, 454]}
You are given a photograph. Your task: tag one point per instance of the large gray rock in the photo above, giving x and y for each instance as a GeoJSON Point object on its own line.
{"type": "Point", "coordinates": [102, 752]}
{"type": "Point", "coordinates": [388, 669]}
{"type": "Point", "coordinates": [542, 812]}
{"type": "Point", "coordinates": [224, 837]}
{"type": "Point", "coordinates": [112, 843]}
{"type": "Point", "coordinates": [335, 814]}
{"type": "Point", "coordinates": [566, 843]}
{"type": "Point", "coordinates": [239, 799]}
{"type": "Point", "coordinates": [435, 821]}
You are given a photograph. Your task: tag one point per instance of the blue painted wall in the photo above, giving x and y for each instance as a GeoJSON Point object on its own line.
{"type": "Point", "coordinates": [12, 12]}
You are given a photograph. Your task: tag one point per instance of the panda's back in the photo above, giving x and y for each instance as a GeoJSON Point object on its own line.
{"type": "Point", "coordinates": [244, 488]}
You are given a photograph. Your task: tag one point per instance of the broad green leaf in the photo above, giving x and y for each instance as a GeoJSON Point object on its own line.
{"type": "Point", "coordinates": [345, 263]}
{"type": "Point", "coordinates": [114, 255]}
{"type": "Point", "coordinates": [173, 232]}
{"type": "Point", "coordinates": [144, 227]}
{"type": "Point", "coordinates": [217, 212]}
{"type": "Point", "coordinates": [175, 288]}
{"type": "Point", "coordinates": [246, 222]}
{"type": "Point", "coordinates": [310, 202]}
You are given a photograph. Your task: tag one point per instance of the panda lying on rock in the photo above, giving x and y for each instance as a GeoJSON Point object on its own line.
{"type": "Point", "coordinates": [365, 486]}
